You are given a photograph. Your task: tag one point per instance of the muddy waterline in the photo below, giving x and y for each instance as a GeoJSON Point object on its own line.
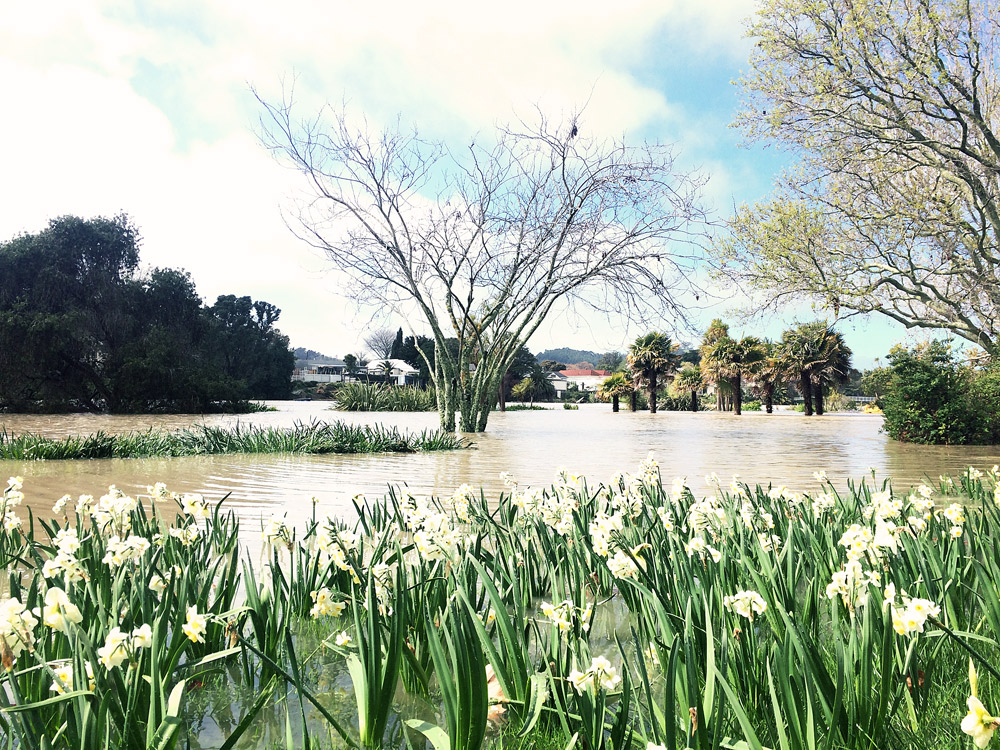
{"type": "Point", "coordinates": [783, 448]}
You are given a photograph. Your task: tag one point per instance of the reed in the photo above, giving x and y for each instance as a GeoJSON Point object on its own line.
{"type": "Point", "coordinates": [311, 437]}
{"type": "Point", "coordinates": [382, 397]}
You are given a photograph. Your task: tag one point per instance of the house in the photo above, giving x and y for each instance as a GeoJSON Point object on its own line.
{"type": "Point", "coordinates": [559, 382]}
{"type": "Point", "coordinates": [400, 372]}
{"type": "Point", "coordinates": [585, 380]}
{"type": "Point", "coordinates": [328, 371]}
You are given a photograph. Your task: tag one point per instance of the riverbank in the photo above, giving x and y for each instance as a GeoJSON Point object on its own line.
{"type": "Point", "coordinates": [312, 438]}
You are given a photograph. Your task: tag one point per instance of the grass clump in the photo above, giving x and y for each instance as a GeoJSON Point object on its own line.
{"type": "Point", "coordinates": [382, 397]}
{"type": "Point", "coordinates": [311, 437]}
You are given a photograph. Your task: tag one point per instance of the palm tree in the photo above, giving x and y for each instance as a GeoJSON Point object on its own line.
{"type": "Point", "coordinates": [769, 373]}
{"type": "Point", "coordinates": [734, 359]}
{"type": "Point", "coordinates": [717, 332]}
{"type": "Point", "coordinates": [614, 387]}
{"type": "Point", "coordinates": [689, 379]}
{"type": "Point", "coordinates": [649, 357]}
{"type": "Point", "coordinates": [833, 361]}
{"type": "Point", "coordinates": [385, 368]}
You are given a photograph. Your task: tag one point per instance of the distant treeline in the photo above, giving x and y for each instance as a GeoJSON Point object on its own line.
{"type": "Point", "coordinates": [82, 329]}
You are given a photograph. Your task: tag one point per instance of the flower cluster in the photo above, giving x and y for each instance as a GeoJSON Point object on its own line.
{"type": "Point", "coordinates": [118, 645]}
{"type": "Point", "coordinates": [324, 605]}
{"type": "Point", "coordinates": [564, 614]}
{"type": "Point", "coordinates": [747, 604]}
{"type": "Point", "coordinates": [909, 613]}
{"type": "Point", "coordinates": [600, 675]}
{"type": "Point", "coordinates": [17, 626]}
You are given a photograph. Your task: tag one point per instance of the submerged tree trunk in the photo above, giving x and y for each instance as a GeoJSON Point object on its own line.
{"type": "Point", "coordinates": [737, 382]}
{"type": "Point", "coordinates": [769, 399]}
{"type": "Point", "coordinates": [818, 398]}
{"type": "Point", "coordinates": [652, 393]}
{"type": "Point", "coordinates": [806, 384]}
{"type": "Point", "coordinates": [614, 403]}
{"type": "Point", "coordinates": [632, 398]}
{"type": "Point", "coordinates": [694, 399]}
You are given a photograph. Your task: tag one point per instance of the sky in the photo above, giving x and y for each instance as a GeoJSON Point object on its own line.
{"type": "Point", "coordinates": [148, 108]}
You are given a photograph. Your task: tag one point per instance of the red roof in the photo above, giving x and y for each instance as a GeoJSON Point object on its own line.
{"type": "Point", "coordinates": [578, 373]}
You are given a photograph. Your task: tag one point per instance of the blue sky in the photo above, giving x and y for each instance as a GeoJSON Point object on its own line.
{"type": "Point", "coordinates": [145, 107]}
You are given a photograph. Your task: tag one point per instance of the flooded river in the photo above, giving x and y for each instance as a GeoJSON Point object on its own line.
{"type": "Point", "coordinates": [783, 448]}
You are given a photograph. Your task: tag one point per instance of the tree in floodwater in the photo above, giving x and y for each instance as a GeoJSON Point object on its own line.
{"type": "Point", "coordinates": [614, 387]}
{"type": "Point", "coordinates": [689, 381]}
{"type": "Point", "coordinates": [651, 357]}
{"type": "Point", "coordinates": [483, 243]}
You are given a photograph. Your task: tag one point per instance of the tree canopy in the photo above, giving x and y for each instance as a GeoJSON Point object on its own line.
{"type": "Point", "coordinates": [82, 328]}
{"type": "Point", "coordinates": [892, 108]}
{"type": "Point", "coordinates": [484, 242]}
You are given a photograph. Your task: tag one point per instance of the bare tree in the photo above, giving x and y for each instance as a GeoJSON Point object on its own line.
{"type": "Point", "coordinates": [894, 108]}
{"type": "Point", "coordinates": [485, 242]}
{"type": "Point", "coordinates": [380, 342]}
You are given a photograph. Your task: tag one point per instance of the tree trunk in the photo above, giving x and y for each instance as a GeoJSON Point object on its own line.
{"type": "Point", "coordinates": [718, 396]}
{"type": "Point", "coordinates": [738, 393]}
{"type": "Point", "coordinates": [769, 400]}
{"type": "Point", "coordinates": [652, 393]}
{"type": "Point", "coordinates": [806, 383]}
{"type": "Point", "coordinates": [614, 403]}
{"type": "Point", "coordinates": [632, 396]}
{"type": "Point", "coordinates": [818, 398]}
{"type": "Point", "coordinates": [694, 399]}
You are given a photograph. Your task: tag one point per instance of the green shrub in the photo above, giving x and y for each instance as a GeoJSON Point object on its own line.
{"type": "Point", "coordinates": [928, 398]}
{"type": "Point", "coordinates": [751, 405]}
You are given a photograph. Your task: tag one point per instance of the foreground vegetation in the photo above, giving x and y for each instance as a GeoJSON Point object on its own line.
{"type": "Point", "coordinates": [626, 615]}
{"type": "Point", "coordinates": [202, 440]}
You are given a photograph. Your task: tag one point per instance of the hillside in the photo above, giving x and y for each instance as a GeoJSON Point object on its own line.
{"type": "Point", "coordinates": [568, 356]}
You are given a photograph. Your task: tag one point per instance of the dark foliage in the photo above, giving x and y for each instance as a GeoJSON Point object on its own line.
{"type": "Point", "coordinates": [82, 329]}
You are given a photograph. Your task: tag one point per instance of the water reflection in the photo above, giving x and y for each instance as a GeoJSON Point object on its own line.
{"type": "Point", "coordinates": [781, 448]}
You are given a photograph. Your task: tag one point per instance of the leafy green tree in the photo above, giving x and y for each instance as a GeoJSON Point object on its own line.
{"type": "Point", "coordinates": [535, 386]}
{"type": "Point", "coordinates": [892, 107]}
{"type": "Point", "coordinates": [833, 364]}
{"type": "Point", "coordinates": [688, 380]}
{"type": "Point", "coordinates": [614, 387]}
{"type": "Point", "coordinates": [876, 382]}
{"type": "Point", "coordinates": [81, 328]}
{"type": "Point", "coordinates": [250, 348]}
{"type": "Point", "coordinates": [928, 398]}
{"type": "Point", "coordinates": [613, 361]}
{"type": "Point", "coordinates": [522, 366]}
{"type": "Point", "coordinates": [650, 358]}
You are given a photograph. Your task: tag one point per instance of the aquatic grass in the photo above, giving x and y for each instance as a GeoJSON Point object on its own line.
{"type": "Point", "coordinates": [309, 438]}
{"type": "Point", "coordinates": [383, 397]}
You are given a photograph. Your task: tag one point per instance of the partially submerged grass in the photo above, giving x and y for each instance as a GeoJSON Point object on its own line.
{"type": "Point", "coordinates": [312, 437]}
{"type": "Point", "coordinates": [382, 397]}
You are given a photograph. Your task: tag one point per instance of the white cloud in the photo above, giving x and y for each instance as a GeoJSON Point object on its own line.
{"type": "Point", "coordinates": [144, 108]}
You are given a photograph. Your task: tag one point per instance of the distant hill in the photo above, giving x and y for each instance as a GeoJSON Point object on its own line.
{"type": "Point", "coordinates": [308, 355]}
{"type": "Point", "coordinates": [568, 356]}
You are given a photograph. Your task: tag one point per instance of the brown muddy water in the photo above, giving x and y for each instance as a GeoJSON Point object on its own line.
{"type": "Point", "coordinates": [783, 448]}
